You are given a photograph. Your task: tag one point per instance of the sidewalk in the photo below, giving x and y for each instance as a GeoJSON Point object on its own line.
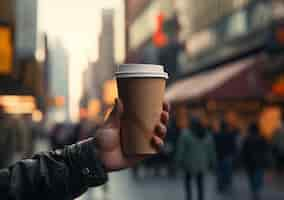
{"type": "Point", "coordinates": [123, 187]}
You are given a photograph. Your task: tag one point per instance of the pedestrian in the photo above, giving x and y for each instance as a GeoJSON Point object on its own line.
{"type": "Point", "coordinates": [278, 153]}
{"type": "Point", "coordinates": [255, 156]}
{"type": "Point", "coordinates": [195, 155]}
{"type": "Point", "coordinates": [171, 147]}
{"type": "Point", "coordinates": [218, 131]}
{"type": "Point", "coordinates": [24, 140]}
{"type": "Point", "coordinates": [67, 173]}
{"type": "Point", "coordinates": [226, 143]}
{"type": "Point", "coordinates": [8, 139]}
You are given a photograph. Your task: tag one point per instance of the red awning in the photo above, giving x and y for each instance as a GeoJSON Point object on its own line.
{"type": "Point", "coordinates": [237, 80]}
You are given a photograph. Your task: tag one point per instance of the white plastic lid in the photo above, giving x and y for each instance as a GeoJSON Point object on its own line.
{"type": "Point", "coordinates": [141, 70]}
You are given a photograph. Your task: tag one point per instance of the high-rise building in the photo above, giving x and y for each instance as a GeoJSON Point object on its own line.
{"type": "Point", "coordinates": [100, 71]}
{"type": "Point", "coordinates": [25, 27]}
{"type": "Point", "coordinates": [58, 79]}
{"type": "Point", "coordinates": [105, 65]}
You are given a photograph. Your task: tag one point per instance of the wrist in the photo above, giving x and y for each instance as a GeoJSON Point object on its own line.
{"type": "Point", "coordinates": [100, 155]}
{"type": "Point", "coordinates": [85, 163]}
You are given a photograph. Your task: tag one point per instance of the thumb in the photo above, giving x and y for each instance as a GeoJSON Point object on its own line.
{"type": "Point", "coordinates": [114, 117]}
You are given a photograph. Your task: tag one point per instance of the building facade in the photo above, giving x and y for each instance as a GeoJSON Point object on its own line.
{"type": "Point", "coordinates": [141, 21]}
{"type": "Point", "coordinates": [19, 68]}
{"type": "Point", "coordinates": [7, 8]}
{"type": "Point", "coordinates": [196, 15]}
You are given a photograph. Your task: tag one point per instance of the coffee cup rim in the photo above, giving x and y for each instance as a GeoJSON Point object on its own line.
{"type": "Point", "coordinates": [141, 75]}
{"type": "Point", "coordinates": [136, 70]}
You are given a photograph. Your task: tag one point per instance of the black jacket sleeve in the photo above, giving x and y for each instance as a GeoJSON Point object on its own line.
{"type": "Point", "coordinates": [61, 174]}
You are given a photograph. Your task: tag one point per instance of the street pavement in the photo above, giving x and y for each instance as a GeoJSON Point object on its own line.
{"type": "Point", "coordinates": [122, 186]}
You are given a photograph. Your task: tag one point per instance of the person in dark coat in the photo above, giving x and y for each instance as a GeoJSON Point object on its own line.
{"type": "Point", "coordinates": [8, 139]}
{"type": "Point", "coordinates": [217, 129]}
{"type": "Point", "coordinates": [278, 151]}
{"type": "Point", "coordinates": [226, 139]}
{"type": "Point", "coordinates": [67, 173]}
{"type": "Point", "coordinates": [195, 155]}
{"type": "Point", "coordinates": [255, 155]}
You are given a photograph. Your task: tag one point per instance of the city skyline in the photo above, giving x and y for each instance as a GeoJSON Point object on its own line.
{"type": "Point", "coordinates": [78, 26]}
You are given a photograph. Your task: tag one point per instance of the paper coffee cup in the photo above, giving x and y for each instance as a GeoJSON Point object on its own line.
{"type": "Point", "coordinates": [141, 88]}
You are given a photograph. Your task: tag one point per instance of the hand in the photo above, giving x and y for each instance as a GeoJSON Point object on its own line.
{"type": "Point", "coordinates": [108, 139]}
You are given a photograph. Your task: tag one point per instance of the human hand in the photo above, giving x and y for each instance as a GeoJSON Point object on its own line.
{"type": "Point", "coordinates": [109, 144]}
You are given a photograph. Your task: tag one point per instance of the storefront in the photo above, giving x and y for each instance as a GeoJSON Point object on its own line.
{"type": "Point", "coordinates": [233, 65]}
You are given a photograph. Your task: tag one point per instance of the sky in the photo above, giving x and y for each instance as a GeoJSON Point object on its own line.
{"type": "Point", "coordinates": [77, 24]}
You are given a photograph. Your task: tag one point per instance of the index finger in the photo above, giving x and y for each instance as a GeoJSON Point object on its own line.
{"type": "Point", "coordinates": [166, 106]}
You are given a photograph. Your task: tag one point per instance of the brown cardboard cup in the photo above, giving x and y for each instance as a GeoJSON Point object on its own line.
{"type": "Point", "coordinates": [141, 89]}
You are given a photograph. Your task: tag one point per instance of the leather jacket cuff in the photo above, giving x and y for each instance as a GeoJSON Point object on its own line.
{"type": "Point", "coordinates": [85, 166]}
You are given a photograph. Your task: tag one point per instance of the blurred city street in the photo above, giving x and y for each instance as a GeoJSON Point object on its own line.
{"type": "Point", "coordinates": [193, 90]}
{"type": "Point", "coordinates": [122, 186]}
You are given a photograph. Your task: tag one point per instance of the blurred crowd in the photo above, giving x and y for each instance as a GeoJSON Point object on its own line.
{"type": "Point", "coordinates": [18, 136]}
{"type": "Point", "coordinates": [198, 146]}
{"type": "Point", "coordinates": [21, 136]}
